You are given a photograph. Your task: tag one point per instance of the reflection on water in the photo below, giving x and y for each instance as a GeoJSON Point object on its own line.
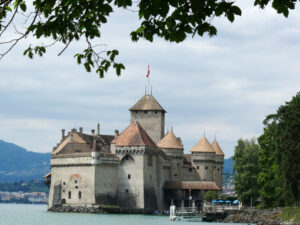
{"type": "Point", "coordinates": [12, 214]}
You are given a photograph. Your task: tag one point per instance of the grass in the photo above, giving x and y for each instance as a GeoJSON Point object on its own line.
{"type": "Point", "coordinates": [291, 214]}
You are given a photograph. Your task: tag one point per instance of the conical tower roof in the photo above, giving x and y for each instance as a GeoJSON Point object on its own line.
{"type": "Point", "coordinates": [170, 141]}
{"type": "Point", "coordinates": [202, 146]}
{"type": "Point", "coordinates": [217, 148]}
{"type": "Point", "coordinates": [147, 102]}
{"type": "Point", "coordinates": [134, 135]}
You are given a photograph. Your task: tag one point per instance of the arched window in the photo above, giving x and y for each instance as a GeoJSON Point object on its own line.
{"type": "Point", "coordinates": [79, 194]}
{"type": "Point", "coordinates": [69, 194]}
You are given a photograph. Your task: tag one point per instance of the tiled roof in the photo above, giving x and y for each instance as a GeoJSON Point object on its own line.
{"type": "Point", "coordinates": [170, 141]}
{"type": "Point", "coordinates": [134, 135]}
{"type": "Point", "coordinates": [187, 158]}
{"type": "Point", "coordinates": [217, 148]}
{"type": "Point", "coordinates": [147, 102]}
{"type": "Point", "coordinates": [193, 185]}
{"type": "Point", "coordinates": [202, 146]}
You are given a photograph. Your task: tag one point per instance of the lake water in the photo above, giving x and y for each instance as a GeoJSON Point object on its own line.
{"type": "Point", "coordinates": [15, 214]}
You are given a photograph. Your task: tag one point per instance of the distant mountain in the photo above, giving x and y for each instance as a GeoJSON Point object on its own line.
{"type": "Point", "coordinates": [16, 163]}
{"type": "Point", "coordinates": [228, 165]}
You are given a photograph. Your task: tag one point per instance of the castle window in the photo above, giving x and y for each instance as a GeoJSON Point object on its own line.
{"type": "Point", "coordinates": [206, 167]}
{"type": "Point", "coordinates": [129, 176]}
{"type": "Point", "coordinates": [63, 190]}
{"type": "Point", "coordinates": [190, 169]}
{"type": "Point", "coordinates": [197, 167]}
{"type": "Point", "coordinates": [155, 112]}
{"type": "Point", "coordinates": [146, 112]}
{"type": "Point", "coordinates": [64, 183]}
{"type": "Point", "coordinates": [75, 181]}
{"type": "Point", "coordinates": [136, 111]}
{"type": "Point", "coordinates": [218, 169]}
{"type": "Point", "coordinates": [149, 160]}
{"type": "Point", "coordinates": [76, 187]}
{"type": "Point", "coordinates": [126, 157]}
{"type": "Point", "coordinates": [69, 194]}
{"type": "Point", "coordinates": [79, 194]}
{"type": "Point", "coordinates": [127, 190]}
{"type": "Point", "coordinates": [175, 175]}
{"type": "Point", "coordinates": [204, 179]}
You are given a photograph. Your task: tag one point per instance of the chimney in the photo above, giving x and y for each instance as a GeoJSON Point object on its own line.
{"type": "Point", "coordinates": [98, 129]}
{"type": "Point", "coordinates": [63, 134]}
{"type": "Point", "coordinates": [116, 133]}
{"type": "Point", "coordinates": [93, 132]}
{"type": "Point", "coordinates": [80, 129]}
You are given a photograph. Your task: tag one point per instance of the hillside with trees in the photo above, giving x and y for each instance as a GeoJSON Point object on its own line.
{"type": "Point", "coordinates": [19, 164]}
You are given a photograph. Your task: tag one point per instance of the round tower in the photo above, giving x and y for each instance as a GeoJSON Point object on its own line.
{"type": "Point", "coordinates": [204, 159]}
{"type": "Point", "coordinates": [150, 115]}
{"type": "Point", "coordinates": [172, 146]}
{"type": "Point", "coordinates": [219, 163]}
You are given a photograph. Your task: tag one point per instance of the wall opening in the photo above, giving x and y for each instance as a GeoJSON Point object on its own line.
{"type": "Point", "coordinates": [129, 176]}
{"type": "Point", "coordinates": [69, 195]}
{"type": "Point", "coordinates": [79, 194]}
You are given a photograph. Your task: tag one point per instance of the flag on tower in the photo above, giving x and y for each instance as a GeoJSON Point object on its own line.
{"type": "Point", "coordinates": [148, 71]}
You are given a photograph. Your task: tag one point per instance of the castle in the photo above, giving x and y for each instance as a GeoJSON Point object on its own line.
{"type": "Point", "coordinates": [140, 169]}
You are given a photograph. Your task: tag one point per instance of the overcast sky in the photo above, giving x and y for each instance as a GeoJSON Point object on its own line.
{"type": "Point", "coordinates": [225, 85]}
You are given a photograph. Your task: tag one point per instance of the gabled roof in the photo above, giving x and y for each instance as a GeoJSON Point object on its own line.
{"type": "Point", "coordinates": [134, 135]}
{"type": "Point", "coordinates": [202, 146]}
{"type": "Point", "coordinates": [217, 148]}
{"type": "Point", "coordinates": [147, 102]}
{"type": "Point", "coordinates": [170, 141]}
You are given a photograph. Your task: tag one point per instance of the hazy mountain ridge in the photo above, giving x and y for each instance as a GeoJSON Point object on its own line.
{"type": "Point", "coordinates": [16, 163]}
{"type": "Point", "coordinates": [228, 165]}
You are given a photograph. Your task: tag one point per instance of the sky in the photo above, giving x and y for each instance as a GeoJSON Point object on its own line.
{"type": "Point", "coordinates": [224, 85]}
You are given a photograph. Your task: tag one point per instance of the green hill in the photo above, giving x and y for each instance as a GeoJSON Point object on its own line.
{"type": "Point", "coordinates": [228, 165]}
{"type": "Point", "coordinates": [18, 164]}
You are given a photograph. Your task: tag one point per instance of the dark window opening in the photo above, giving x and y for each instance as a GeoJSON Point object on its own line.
{"type": "Point", "coordinates": [175, 175]}
{"type": "Point", "coordinates": [145, 112]}
{"type": "Point", "coordinates": [64, 190]}
{"type": "Point", "coordinates": [126, 157]}
{"type": "Point", "coordinates": [129, 176]}
{"type": "Point", "coordinates": [155, 112]}
{"type": "Point", "coordinates": [79, 194]}
{"type": "Point", "coordinates": [197, 167]}
{"type": "Point", "coordinates": [136, 111]}
{"type": "Point", "coordinates": [149, 160]}
{"type": "Point", "coordinates": [63, 201]}
{"type": "Point", "coordinates": [204, 179]}
{"type": "Point", "coordinates": [75, 181]}
{"type": "Point", "coordinates": [64, 183]}
{"type": "Point", "coordinates": [76, 187]}
{"type": "Point", "coordinates": [206, 168]}
{"type": "Point", "coordinates": [127, 190]}
{"type": "Point", "coordinates": [77, 150]}
{"type": "Point", "coordinates": [69, 195]}
{"type": "Point", "coordinates": [190, 169]}
{"type": "Point", "coordinates": [218, 169]}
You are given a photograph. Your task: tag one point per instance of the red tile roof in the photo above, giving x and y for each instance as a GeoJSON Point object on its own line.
{"type": "Point", "coordinates": [193, 185]}
{"type": "Point", "coordinates": [134, 135]}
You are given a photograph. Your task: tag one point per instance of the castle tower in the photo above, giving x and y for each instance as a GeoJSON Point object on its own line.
{"type": "Point", "coordinates": [172, 147]}
{"type": "Point", "coordinates": [204, 159]}
{"type": "Point", "coordinates": [219, 163]}
{"type": "Point", "coordinates": [150, 115]}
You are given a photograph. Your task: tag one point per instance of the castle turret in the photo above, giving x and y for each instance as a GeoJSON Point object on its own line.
{"type": "Point", "coordinates": [204, 159]}
{"type": "Point", "coordinates": [150, 115]}
{"type": "Point", "coordinates": [172, 147]}
{"type": "Point", "coordinates": [219, 163]}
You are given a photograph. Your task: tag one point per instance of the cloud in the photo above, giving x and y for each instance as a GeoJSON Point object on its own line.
{"type": "Point", "coordinates": [225, 85]}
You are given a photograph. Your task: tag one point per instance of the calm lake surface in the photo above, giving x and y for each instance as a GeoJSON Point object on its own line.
{"type": "Point", "coordinates": [15, 214]}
